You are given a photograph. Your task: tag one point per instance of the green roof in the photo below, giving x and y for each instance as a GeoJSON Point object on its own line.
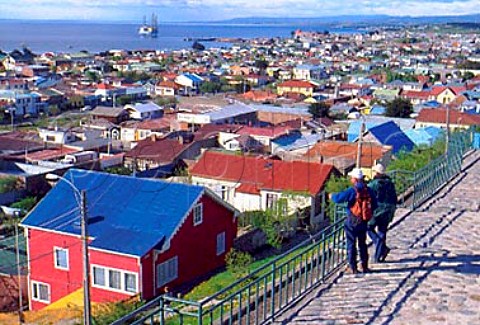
{"type": "Point", "coordinates": [8, 259]}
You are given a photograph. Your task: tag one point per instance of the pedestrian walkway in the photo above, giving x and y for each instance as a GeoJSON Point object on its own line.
{"type": "Point", "coordinates": [432, 275]}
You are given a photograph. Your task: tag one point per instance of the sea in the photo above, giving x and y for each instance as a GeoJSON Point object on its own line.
{"type": "Point", "coordinates": [70, 37]}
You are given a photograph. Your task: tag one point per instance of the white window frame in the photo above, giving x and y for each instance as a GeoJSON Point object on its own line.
{"type": "Point", "coordinates": [221, 243]}
{"type": "Point", "coordinates": [55, 261]}
{"type": "Point", "coordinates": [197, 214]}
{"type": "Point", "coordinates": [38, 284]}
{"type": "Point", "coordinates": [106, 286]}
{"type": "Point", "coordinates": [171, 277]}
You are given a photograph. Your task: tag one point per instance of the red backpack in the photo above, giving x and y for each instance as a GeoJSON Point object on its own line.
{"type": "Point", "coordinates": [362, 208]}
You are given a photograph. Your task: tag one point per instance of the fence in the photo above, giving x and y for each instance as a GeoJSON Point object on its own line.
{"type": "Point", "coordinates": [264, 293]}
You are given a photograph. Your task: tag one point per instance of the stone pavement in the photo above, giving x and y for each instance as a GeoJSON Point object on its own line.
{"type": "Point", "coordinates": [432, 275]}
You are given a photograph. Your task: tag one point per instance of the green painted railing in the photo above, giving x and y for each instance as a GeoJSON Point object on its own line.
{"type": "Point", "coordinates": [259, 297]}
{"type": "Point", "coordinates": [267, 291]}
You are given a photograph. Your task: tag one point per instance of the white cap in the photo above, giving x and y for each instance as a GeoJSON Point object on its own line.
{"type": "Point", "coordinates": [379, 168]}
{"type": "Point", "coordinates": [356, 173]}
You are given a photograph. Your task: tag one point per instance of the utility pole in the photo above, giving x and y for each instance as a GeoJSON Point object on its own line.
{"type": "Point", "coordinates": [447, 135]}
{"type": "Point", "coordinates": [86, 265]}
{"type": "Point", "coordinates": [19, 278]}
{"type": "Point", "coordinates": [360, 139]}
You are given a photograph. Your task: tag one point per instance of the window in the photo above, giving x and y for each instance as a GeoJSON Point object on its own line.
{"type": "Point", "coordinates": [40, 292]}
{"type": "Point", "coordinates": [99, 276]}
{"type": "Point", "coordinates": [130, 282]}
{"type": "Point", "coordinates": [61, 258]}
{"type": "Point", "coordinates": [114, 280]}
{"type": "Point", "coordinates": [271, 200]}
{"type": "Point", "coordinates": [221, 243]}
{"type": "Point", "coordinates": [197, 214]}
{"type": "Point", "coordinates": [224, 193]}
{"type": "Point", "coordinates": [167, 271]}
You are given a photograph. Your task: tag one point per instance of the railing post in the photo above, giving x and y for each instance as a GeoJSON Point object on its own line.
{"type": "Point", "coordinates": [272, 303]}
{"type": "Point", "coordinates": [414, 191]}
{"type": "Point", "coordinates": [162, 311]}
{"type": "Point", "coordinates": [200, 315]}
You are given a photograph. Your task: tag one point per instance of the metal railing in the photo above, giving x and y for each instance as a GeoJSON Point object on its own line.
{"type": "Point", "coordinates": [262, 295]}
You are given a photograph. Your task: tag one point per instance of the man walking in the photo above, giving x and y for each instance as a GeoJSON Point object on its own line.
{"type": "Point", "coordinates": [355, 226]}
{"type": "Point", "coordinates": [384, 190]}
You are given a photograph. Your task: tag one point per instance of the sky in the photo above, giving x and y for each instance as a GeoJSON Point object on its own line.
{"type": "Point", "coordinates": [208, 10]}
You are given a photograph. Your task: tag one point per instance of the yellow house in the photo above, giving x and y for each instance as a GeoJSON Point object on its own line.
{"type": "Point", "coordinates": [446, 96]}
{"type": "Point", "coordinates": [296, 86]}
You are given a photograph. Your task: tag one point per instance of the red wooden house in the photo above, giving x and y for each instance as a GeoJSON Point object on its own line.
{"type": "Point", "coordinates": [144, 235]}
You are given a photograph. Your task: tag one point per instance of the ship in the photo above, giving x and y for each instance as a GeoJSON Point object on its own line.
{"type": "Point", "coordinates": [149, 30]}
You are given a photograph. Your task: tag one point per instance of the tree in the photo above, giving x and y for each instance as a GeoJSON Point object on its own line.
{"type": "Point", "coordinates": [262, 65]}
{"type": "Point", "coordinates": [92, 76]}
{"type": "Point", "coordinates": [210, 87]}
{"type": "Point", "coordinates": [320, 109]}
{"type": "Point", "coordinates": [467, 75]}
{"type": "Point", "coordinates": [399, 107]}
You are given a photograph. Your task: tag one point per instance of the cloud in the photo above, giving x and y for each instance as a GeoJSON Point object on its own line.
{"type": "Point", "coordinates": [221, 9]}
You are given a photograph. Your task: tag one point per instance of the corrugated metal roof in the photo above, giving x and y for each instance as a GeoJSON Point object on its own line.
{"type": "Point", "coordinates": [126, 214]}
{"type": "Point", "coordinates": [390, 134]}
{"type": "Point", "coordinates": [230, 111]}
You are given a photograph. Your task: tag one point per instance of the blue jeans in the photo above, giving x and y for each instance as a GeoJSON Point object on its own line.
{"type": "Point", "coordinates": [377, 231]}
{"type": "Point", "coordinates": [356, 230]}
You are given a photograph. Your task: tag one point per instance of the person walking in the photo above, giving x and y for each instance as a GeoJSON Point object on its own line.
{"type": "Point", "coordinates": [384, 189]}
{"type": "Point", "coordinates": [355, 226]}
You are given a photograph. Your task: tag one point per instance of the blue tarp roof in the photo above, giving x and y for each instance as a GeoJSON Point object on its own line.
{"type": "Point", "coordinates": [424, 136]}
{"type": "Point", "coordinates": [354, 129]}
{"type": "Point", "coordinates": [390, 134]}
{"type": "Point", "coordinates": [126, 214]}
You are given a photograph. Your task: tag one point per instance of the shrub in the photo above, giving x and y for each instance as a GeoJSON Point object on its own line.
{"type": "Point", "coordinates": [238, 263]}
{"type": "Point", "coordinates": [26, 204]}
{"type": "Point", "coordinates": [7, 184]}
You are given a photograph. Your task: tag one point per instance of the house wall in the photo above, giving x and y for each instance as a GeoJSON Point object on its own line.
{"type": "Point", "coordinates": [42, 268]}
{"type": "Point", "coordinates": [195, 246]}
{"type": "Point", "coordinates": [247, 202]}
{"type": "Point", "coordinates": [63, 282]}
{"type": "Point", "coordinates": [117, 262]}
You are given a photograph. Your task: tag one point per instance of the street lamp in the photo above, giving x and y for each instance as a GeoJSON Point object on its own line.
{"type": "Point", "coordinates": [87, 318]}
{"type": "Point", "coordinates": [11, 111]}
{"type": "Point", "coordinates": [360, 117]}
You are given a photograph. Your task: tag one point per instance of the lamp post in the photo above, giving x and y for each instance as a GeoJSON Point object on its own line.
{"type": "Point", "coordinates": [87, 318]}
{"type": "Point", "coordinates": [11, 111]}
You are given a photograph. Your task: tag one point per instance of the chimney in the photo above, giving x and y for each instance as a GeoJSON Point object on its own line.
{"type": "Point", "coordinates": [153, 137]}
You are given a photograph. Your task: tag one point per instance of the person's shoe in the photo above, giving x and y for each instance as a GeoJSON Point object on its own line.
{"type": "Point", "coordinates": [365, 268]}
{"type": "Point", "coordinates": [349, 270]}
{"type": "Point", "coordinates": [384, 255]}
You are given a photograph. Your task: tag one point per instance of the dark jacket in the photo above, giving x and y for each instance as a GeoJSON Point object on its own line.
{"type": "Point", "coordinates": [349, 196]}
{"type": "Point", "coordinates": [384, 190]}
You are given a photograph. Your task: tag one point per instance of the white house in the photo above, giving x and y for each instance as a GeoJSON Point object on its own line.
{"type": "Point", "coordinates": [142, 111]}
{"type": "Point", "coordinates": [256, 183]}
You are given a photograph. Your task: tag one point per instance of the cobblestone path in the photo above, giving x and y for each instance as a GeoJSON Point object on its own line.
{"type": "Point", "coordinates": [432, 275]}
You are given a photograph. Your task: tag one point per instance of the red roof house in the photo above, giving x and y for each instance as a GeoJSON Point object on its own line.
{"type": "Point", "coordinates": [257, 183]}
{"type": "Point", "coordinates": [144, 235]}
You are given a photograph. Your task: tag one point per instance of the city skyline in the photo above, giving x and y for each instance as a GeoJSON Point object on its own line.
{"type": "Point", "coordinates": [213, 10]}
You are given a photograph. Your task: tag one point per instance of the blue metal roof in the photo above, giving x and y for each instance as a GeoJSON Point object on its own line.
{"type": "Point", "coordinates": [297, 140]}
{"type": "Point", "coordinates": [378, 110]}
{"type": "Point", "coordinates": [193, 77]}
{"type": "Point", "coordinates": [390, 134]}
{"type": "Point", "coordinates": [126, 214]}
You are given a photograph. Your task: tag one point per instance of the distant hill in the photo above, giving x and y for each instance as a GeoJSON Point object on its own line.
{"type": "Point", "coordinates": [354, 20]}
